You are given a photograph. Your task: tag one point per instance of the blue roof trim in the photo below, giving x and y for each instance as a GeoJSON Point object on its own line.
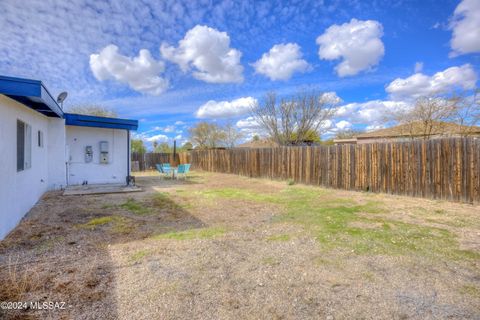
{"type": "Point", "coordinates": [31, 93]}
{"type": "Point", "coordinates": [81, 120]}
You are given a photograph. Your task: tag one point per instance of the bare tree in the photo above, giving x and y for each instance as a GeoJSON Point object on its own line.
{"type": "Point", "coordinates": [93, 110]}
{"type": "Point", "coordinates": [232, 135]}
{"type": "Point", "coordinates": [426, 117]}
{"type": "Point", "coordinates": [467, 112]}
{"type": "Point", "coordinates": [216, 138]}
{"type": "Point", "coordinates": [290, 121]}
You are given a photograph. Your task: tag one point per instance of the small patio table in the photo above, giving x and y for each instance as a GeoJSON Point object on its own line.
{"type": "Point", "coordinates": [174, 170]}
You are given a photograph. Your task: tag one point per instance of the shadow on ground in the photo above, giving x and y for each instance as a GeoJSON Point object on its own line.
{"type": "Point", "coordinates": [74, 233]}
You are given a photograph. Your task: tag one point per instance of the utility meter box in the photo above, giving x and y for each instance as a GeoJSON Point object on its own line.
{"type": "Point", "coordinates": [88, 154]}
{"type": "Point", "coordinates": [104, 152]}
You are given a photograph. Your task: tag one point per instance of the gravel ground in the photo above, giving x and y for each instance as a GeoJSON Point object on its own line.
{"type": "Point", "coordinates": [177, 251]}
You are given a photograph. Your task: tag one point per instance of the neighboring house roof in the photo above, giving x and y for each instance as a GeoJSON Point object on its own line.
{"type": "Point", "coordinates": [262, 143]}
{"type": "Point", "coordinates": [34, 94]}
{"type": "Point", "coordinates": [31, 93]}
{"type": "Point", "coordinates": [349, 140]}
{"type": "Point", "coordinates": [415, 129]}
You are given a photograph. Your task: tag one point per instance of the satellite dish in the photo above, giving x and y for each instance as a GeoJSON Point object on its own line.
{"type": "Point", "coordinates": [61, 97]}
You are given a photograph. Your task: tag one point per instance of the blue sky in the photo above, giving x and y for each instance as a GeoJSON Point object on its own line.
{"type": "Point", "coordinates": [173, 63]}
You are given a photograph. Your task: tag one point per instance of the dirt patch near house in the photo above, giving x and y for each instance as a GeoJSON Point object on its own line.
{"type": "Point", "coordinates": [226, 247]}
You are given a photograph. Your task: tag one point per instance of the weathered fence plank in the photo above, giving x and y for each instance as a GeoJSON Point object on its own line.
{"type": "Point", "coordinates": [437, 169]}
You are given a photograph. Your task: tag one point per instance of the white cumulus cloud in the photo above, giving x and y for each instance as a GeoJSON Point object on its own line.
{"type": "Point", "coordinates": [250, 128]}
{"type": "Point", "coordinates": [281, 62]}
{"type": "Point", "coordinates": [420, 84]}
{"type": "Point", "coordinates": [208, 52]}
{"type": "Point", "coordinates": [357, 42]}
{"type": "Point", "coordinates": [343, 124]}
{"type": "Point", "coordinates": [169, 129]}
{"type": "Point", "coordinates": [465, 28]}
{"type": "Point", "coordinates": [331, 97]}
{"type": "Point", "coordinates": [224, 109]}
{"type": "Point", "coordinates": [158, 138]}
{"type": "Point", "coordinates": [248, 123]}
{"type": "Point", "coordinates": [371, 112]}
{"type": "Point", "coordinates": [141, 73]}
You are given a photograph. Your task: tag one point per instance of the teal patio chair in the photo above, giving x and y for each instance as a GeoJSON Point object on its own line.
{"type": "Point", "coordinates": [166, 167]}
{"type": "Point", "coordinates": [182, 169]}
{"type": "Point", "coordinates": [161, 170]}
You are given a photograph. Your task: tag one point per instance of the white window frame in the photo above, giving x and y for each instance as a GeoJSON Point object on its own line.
{"type": "Point", "coordinates": [26, 151]}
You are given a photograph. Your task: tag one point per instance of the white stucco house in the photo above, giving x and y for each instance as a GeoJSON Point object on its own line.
{"type": "Point", "coordinates": [43, 148]}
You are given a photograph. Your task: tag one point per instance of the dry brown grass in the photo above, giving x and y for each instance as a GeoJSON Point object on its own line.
{"type": "Point", "coordinates": [18, 280]}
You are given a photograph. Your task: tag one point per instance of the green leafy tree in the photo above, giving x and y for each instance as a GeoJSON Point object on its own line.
{"type": "Point", "coordinates": [138, 146]}
{"type": "Point", "coordinates": [310, 135]}
{"type": "Point", "coordinates": [163, 148]}
{"type": "Point", "coordinates": [186, 146]}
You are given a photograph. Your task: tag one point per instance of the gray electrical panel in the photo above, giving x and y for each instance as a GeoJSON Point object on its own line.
{"type": "Point", "coordinates": [104, 152]}
{"type": "Point", "coordinates": [88, 154]}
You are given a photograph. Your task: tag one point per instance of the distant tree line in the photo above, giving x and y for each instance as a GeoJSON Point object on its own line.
{"type": "Point", "coordinates": [138, 146]}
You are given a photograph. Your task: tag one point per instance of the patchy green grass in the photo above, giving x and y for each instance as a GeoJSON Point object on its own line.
{"type": "Point", "coordinates": [48, 244]}
{"type": "Point", "coordinates": [139, 255]}
{"type": "Point", "coordinates": [369, 276]}
{"type": "Point", "coordinates": [203, 233]}
{"type": "Point", "coordinates": [471, 290]}
{"type": "Point", "coordinates": [279, 237]}
{"type": "Point", "coordinates": [97, 222]}
{"type": "Point", "coordinates": [135, 207]}
{"type": "Point", "coordinates": [236, 193]}
{"type": "Point", "coordinates": [162, 200]}
{"type": "Point", "coordinates": [270, 261]}
{"type": "Point", "coordinates": [340, 223]}
{"type": "Point", "coordinates": [117, 224]}
{"type": "Point", "coordinates": [123, 225]}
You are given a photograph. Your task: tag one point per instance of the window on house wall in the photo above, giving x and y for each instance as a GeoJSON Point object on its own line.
{"type": "Point", "coordinates": [40, 138]}
{"type": "Point", "coordinates": [24, 146]}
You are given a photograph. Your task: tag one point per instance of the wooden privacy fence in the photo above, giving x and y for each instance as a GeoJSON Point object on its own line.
{"type": "Point", "coordinates": [147, 161]}
{"type": "Point", "coordinates": [438, 169]}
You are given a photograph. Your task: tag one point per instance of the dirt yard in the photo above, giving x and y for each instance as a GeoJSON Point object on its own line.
{"type": "Point", "coordinates": [227, 247]}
